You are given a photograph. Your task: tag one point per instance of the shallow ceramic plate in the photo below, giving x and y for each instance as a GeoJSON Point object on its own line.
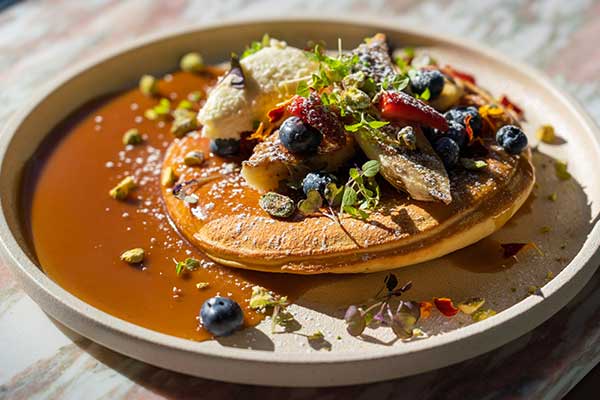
{"type": "Point", "coordinates": [570, 249]}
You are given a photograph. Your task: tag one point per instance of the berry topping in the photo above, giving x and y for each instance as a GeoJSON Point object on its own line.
{"type": "Point", "coordinates": [221, 316]}
{"type": "Point", "coordinates": [225, 147]}
{"type": "Point", "coordinates": [399, 106]}
{"type": "Point", "coordinates": [457, 133]}
{"type": "Point", "coordinates": [512, 139]}
{"type": "Point", "coordinates": [312, 111]}
{"type": "Point", "coordinates": [460, 114]}
{"type": "Point", "coordinates": [424, 79]}
{"type": "Point", "coordinates": [299, 137]}
{"type": "Point", "coordinates": [448, 151]}
{"type": "Point", "coordinates": [317, 181]}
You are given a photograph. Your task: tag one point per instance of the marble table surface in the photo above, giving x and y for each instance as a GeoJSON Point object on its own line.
{"type": "Point", "coordinates": [39, 358]}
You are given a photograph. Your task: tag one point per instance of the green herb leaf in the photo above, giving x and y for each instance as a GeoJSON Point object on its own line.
{"type": "Point", "coordinates": [303, 89]}
{"type": "Point", "coordinates": [426, 95]}
{"type": "Point", "coordinates": [371, 168]}
{"type": "Point", "coordinates": [349, 197]}
{"type": "Point", "coordinates": [262, 298]}
{"type": "Point", "coordinates": [256, 46]}
{"type": "Point", "coordinates": [377, 124]}
{"type": "Point", "coordinates": [333, 194]}
{"type": "Point", "coordinates": [355, 212]}
{"type": "Point", "coordinates": [189, 264]}
{"type": "Point", "coordinates": [354, 127]}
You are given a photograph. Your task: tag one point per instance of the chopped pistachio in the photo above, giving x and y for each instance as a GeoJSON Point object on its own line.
{"type": "Point", "coordinates": [277, 205]}
{"type": "Point", "coordinates": [471, 305]}
{"type": "Point", "coordinates": [560, 168]}
{"type": "Point", "coordinates": [407, 137]}
{"type": "Point", "coordinates": [194, 157]}
{"type": "Point", "coordinates": [148, 85]}
{"type": "Point", "coordinates": [133, 256]}
{"type": "Point", "coordinates": [185, 104]}
{"type": "Point", "coordinates": [545, 229]}
{"type": "Point", "coordinates": [513, 289]}
{"type": "Point", "coordinates": [480, 315]}
{"type": "Point", "coordinates": [121, 191]}
{"type": "Point", "coordinates": [472, 165]}
{"type": "Point", "coordinates": [318, 335]}
{"type": "Point", "coordinates": [132, 136]}
{"type": "Point", "coordinates": [553, 196]}
{"type": "Point", "coordinates": [202, 285]}
{"type": "Point", "coordinates": [546, 134]}
{"type": "Point", "coordinates": [184, 122]}
{"type": "Point", "coordinates": [150, 114]}
{"type": "Point", "coordinates": [532, 289]}
{"type": "Point", "coordinates": [549, 275]}
{"type": "Point", "coordinates": [191, 62]}
{"type": "Point", "coordinates": [168, 176]}
{"type": "Point", "coordinates": [195, 96]}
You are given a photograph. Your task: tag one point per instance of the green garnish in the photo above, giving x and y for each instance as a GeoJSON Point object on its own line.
{"type": "Point", "coordinates": [311, 204]}
{"type": "Point", "coordinates": [185, 105]}
{"type": "Point", "coordinates": [553, 196]}
{"type": "Point", "coordinates": [480, 315]}
{"type": "Point", "coordinates": [256, 46]}
{"type": "Point", "coordinates": [303, 90]}
{"type": "Point", "coordinates": [264, 301]}
{"type": "Point", "coordinates": [364, 123]}
{"type": "Point", "coordinates": [162, 109]}
{"type": "Point", "coordinates": [560, 168]}
{"type": "Point", "coordinates": [361, 192]}
{"type": "Point", "coordinates": [189, 264]}
{"type": "Point", "coordinates": [473, 165]}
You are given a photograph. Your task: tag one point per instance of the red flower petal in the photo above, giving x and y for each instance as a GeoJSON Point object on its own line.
{"type": "Point", "coordinates": [445, 305]}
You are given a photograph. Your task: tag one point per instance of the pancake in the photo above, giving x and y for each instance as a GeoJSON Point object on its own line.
{"type": "Point", "coordinates": [222, 217]}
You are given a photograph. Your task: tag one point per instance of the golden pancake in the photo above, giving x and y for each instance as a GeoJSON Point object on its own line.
{"type": "Point", "coordinates": [217, 211]}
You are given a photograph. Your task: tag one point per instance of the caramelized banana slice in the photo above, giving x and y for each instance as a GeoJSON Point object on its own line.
{"type": "Point", "coordinates": [419, 172]}
{"type": "Point", "coordinates": [271, 164]}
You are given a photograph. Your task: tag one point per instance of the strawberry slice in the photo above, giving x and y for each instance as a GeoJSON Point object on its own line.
{"type": "Point", "coordinates": [401, 106]}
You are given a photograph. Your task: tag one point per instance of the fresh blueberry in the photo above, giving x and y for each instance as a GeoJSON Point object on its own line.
{"type": "Point", "coordinates": [225, 147]}
{"type": "Point", "coordinates": [448, 150]}
{"type": "Point", "coordinates": [316, 181]}
{"type": "Point", "coordinates": [430, 133]}
{"type": "Point", "coordinates": [427, 79]}
{"type": "Point", "coordinates": [299, 137]}
{"type": "Point", "coordinates": [459, 114]}
{"type": "Point", "coordinates": [512, 139]}
{"type": "Point", "coordinates": [221, 316]}
{"type": "Point", "coordinates": [457, 133]}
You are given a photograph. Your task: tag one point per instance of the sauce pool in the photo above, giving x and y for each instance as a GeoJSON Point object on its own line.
{"type": "Point", "coordinates": [78, 232]}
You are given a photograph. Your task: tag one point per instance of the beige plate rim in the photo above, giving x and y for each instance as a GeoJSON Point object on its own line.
{"type": "Point", "coordinates": [315, 369]}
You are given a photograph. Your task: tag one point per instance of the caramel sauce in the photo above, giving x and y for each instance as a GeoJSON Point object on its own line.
{"type": "Point", "coordinates": [78, 231]}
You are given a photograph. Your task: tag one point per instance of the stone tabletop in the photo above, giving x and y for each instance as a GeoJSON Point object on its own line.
{"type": "Point", "coordinates": [39, 358]}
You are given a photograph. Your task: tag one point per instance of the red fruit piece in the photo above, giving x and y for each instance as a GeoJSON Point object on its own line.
{"type": "Point", "coordinates": [312, 111]}
{"type": "Point", "coordinates": [404, 107]}
{"type": "Point", "coordinates": [445, 305]}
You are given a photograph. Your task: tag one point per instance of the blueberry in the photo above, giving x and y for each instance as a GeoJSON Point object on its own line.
{"type": "Point", "coordinates": [225, 147]}
{"type": "Point", "coordinates": [457, 133]}
{"type": "Point", "coordinates": [221, 316]}
{"type": "Point", "coordinates": [512, 139]}
{"type": "Point", "coordinates": [299, 137]}
{"type": "Point", "coordinates": [316, 181]}
{"type": "Point", "coordinates": [459, 114]}
{"type": "Point", "coordinates": [448, 150]}
{"type": "Point", "coordinates": [427, 79]}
